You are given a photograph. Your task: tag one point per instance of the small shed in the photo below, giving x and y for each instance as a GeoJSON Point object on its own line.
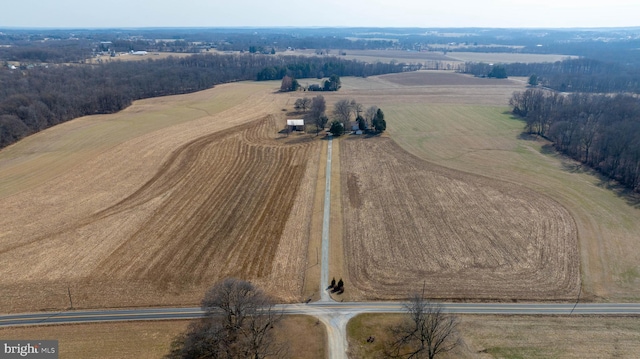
{"type": "Point", "coordinates": [295, 125]}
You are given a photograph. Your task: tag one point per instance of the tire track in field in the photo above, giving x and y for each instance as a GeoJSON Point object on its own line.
{"type": "Point", "coordinates": [464, 236]}
{"type": "Point", "coordinates": [223, 202]}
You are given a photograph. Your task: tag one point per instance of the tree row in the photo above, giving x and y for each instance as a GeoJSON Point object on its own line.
{"type": "Point", "coordinates": [574, 75]}
{"type": "Point", "coordinates": [35, 99]}
{"type": "Point", "coordinates": [602, 132]}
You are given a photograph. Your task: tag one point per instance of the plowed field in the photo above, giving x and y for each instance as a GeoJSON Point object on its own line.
{"type": "Point", "coordinates": [230, 203]}
{"type": "Point", "coordinates": [409, 222]}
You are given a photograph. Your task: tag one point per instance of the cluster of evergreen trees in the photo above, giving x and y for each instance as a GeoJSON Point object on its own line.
{"type": "Point", "coordinates": [35, 99]}
{"type": "Point", "coordinates": [601, 131]}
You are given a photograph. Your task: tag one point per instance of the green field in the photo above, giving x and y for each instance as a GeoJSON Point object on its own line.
{"type": "Point", "coordinates": [488, 141]}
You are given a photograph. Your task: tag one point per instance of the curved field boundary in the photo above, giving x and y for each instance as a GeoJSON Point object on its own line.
{"type": "Point", "coordinates": [409, 222]}
{"type": "Point", "coordinates": [233, 203]}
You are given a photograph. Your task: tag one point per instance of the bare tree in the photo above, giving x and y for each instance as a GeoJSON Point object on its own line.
{"type": "Point", "coordinates": [316, 112]}
{"type": "Point", "coordinates": [370, 115]}
{"type": "Point", "coordinates": [426, 332]}
{"type": "Point", "coordinates": [239, 322]}
{"type": "Point", "coordinates": [342, 111]}
{"type": "Point", "coordinates": [303, 104]}
{"type": "Point", "coordinates": [357, 107]}
{"type": "Point", "coordinates": [286, 84]}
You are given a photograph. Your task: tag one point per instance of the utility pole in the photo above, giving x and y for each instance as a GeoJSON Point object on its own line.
{"type": "Point", "coordinates": [70, 301]}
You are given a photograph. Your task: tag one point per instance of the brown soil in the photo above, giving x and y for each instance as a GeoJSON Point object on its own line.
{"type": "Point", "coordinates": [410, 223]}
{"type": "Point", "coordinates": [439, 78]}
{"type": "Point", "coordinates": [305, 337]}
{"type": "Point", "coordinates": [233, 203]}
{"type": "Point", "coordinates": [517, 336]}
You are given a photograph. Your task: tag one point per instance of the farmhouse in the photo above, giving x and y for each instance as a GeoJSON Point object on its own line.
{"type": "Point", "coordinates": [295, 125]}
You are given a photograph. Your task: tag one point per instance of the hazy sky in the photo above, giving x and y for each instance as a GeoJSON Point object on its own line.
{"type": "Point", "coordinates": [347, 13]}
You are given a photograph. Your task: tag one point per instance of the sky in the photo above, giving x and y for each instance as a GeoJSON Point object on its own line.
{"type": "Point", "coordinates": [331, 13]}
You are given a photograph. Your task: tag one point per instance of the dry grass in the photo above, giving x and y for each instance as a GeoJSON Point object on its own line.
{"type": "Point", "coordinates": [151, 128]}
{"type": "Point", "coordinates": [427, 87]}
{"type": "Point", "coordinates": [410, 222]}
{"type": "Point", "coordinates": [152, 339]}
{"type": "Point", "coordinates": [429, 58]}
{"type": "Point", "coordinates": [105, 340]}
{"type": "Point", "coordinates": [467, 128]}
{"type": "Point", "coordinates": [516, 336]}
{"type": "Point", "coordinates": [129, 57]}
{"type": "Point", "coordinates": [119, 230]}
{"type": "Point", "coordinates": [506, 58]}
{"type": "Point", "coordinates": [123, 209]}
{"type": "Point", "coordinates": [486, 141]}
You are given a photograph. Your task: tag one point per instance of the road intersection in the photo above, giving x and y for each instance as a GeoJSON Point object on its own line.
{"type": "Point", "coordinates": [334, 315]}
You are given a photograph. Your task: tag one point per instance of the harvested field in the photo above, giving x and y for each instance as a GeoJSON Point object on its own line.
{"type": "Point", "coordinates": [442, 78]}
{"type": "Point", "coordinates": [234, 202]}
{"type": "Point", "coordinates": [506, 58]}
{"type": "Point", "coordinates": [427, 87]}
{"type": "Point", "coordinates": [488, 336]}
{"type": "Point", "coordinates": [430, 58]}
{"type": "Point", "coordinates": [487, 140]}
{"type": "Point", "coordinates": [152, 339]}
{"type": "Point", "coordinates": [409, 222]}
{"type": "Point", "coordinates": [130, 57]}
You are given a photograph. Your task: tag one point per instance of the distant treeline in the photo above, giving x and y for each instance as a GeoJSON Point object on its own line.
{"type": "Point", "coordinates": [38, 98]}
{"type": "Point", "coordinates": [49, 51]}
{"type": "Point", "coordinates": [299, 67]}
{"type": "Point", "coordinates": [575, 75]}
{"type": "Point", "coordinates": [600, 131]}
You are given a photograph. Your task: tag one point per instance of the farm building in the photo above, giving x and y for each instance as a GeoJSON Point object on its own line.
{"type": "Point", "coordinates": [295, 125]}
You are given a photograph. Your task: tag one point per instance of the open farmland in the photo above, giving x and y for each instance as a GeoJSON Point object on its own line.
{"type": "Point", "coordinates": [477, 136]}
{"type": "Point", "coordinates": [437, 59]}
{"type": "Point", "coordinates": [152, 339]}
{"type": "Point", "coordinates": [462, 123]}
{"type": "Point", "coordinates": [517, 336]}
{"type": "Point", "coordinates": [409, 222]}
{"type": "Point", "coordinates": [157, 217]}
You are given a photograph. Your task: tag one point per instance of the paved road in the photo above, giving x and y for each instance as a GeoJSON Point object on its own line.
{"type": "Point", "coordinates": [326, 309]}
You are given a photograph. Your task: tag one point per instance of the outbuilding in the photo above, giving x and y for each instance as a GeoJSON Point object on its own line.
{"type": "Point", "coordinates": [295, 125]}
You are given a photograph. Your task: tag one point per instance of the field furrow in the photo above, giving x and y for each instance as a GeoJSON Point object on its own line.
{"type": "Point", "coordinates": [409, 222]}
{"type": "Point", "coordinates": [217, 207]}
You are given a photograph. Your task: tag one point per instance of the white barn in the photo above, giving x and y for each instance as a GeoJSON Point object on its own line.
{"type": "Point", "coordinates": [295, 125]}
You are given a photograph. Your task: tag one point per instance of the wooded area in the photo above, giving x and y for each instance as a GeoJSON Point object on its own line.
{"type": "Point", "coordinates": [601, 131]}
{"type": "Point", "coordinates": [575, 75]}
{"type": "Point", "coordinates": [34, 99]}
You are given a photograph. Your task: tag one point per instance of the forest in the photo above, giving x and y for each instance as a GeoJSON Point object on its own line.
{"type": "Point", "coordinates": [600, 131]}
{"type": "Point", "coordinates": [572, 75]}
{"type": "Point", "coordinates": [37, 98]}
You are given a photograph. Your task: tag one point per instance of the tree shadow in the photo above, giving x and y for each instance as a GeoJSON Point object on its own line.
{"type": "Point", "coordinates": [527, 136]}
{"type": "Point", "coordinates": [628, 195]}
{"type": "Point", "coordinates": [570, 165]}
{"type": "Point", "coordinates": [548, 149]}
{"type": "Point", "coordinates": [512, 116]}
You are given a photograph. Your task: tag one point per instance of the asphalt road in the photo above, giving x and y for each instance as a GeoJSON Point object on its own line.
{"type": "Point", "coordinates": [322, 308]}
{"type": "Point", "coordinates": [335, 315]}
